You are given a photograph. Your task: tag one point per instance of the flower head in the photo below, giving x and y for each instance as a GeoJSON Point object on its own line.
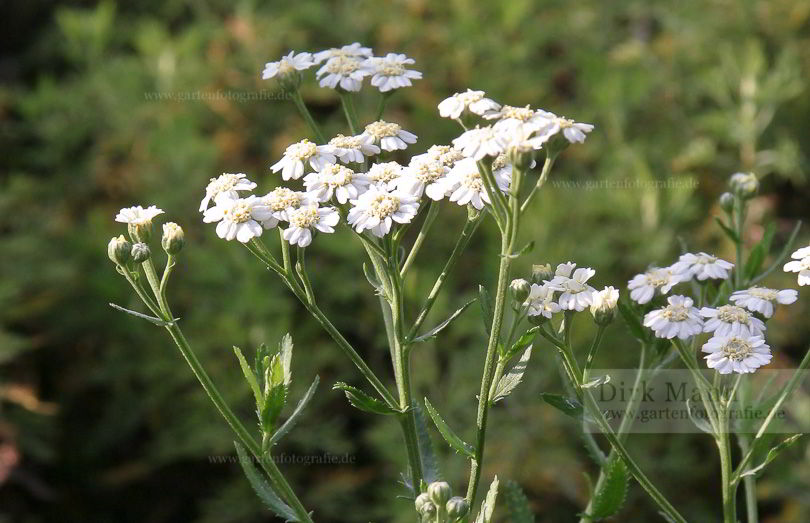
{"type": "Point", "coordinates": [447, 155]}
{"type": "Point", "coordinates": [702, 266]}
{"type": "Point", "coordinates": [678, 319]}
{"type": "Point", "coordinates": [541, 300]}
{"type": "Point", "coordinates": [344, 71]}
{"type": "Point", "coordinates": [572, 131]}
{"type": "Point", "coordinates": [740, 354]}
{"type": "Point", "coordinates": [239, 218]}
{"type": "Point", "coordinates": [731, 320]}
{"type": "Point", "coordinates": [644, 286]}
{"type": "Point", "coordinates": [291, 164]}
{"type": "Point", "coordinates": [473, 101]}
{"type": "Point", "coordinates": [800, 264]}
{"type": "Point", "coordinates": [389, 72]}
{"type": "Point", "coordinates": [336, 180]}
{"type": "Point", "coordinates": [289, 64]}
{"type": "Point", "coordinates": [137, 215]}
{"type": "Point", "coordinates": [762, 299]}
{"type": "Point", "coordinates": [281, 201]}
{"type": "Point", "coordinates": [385, 174]}
{"type": "Point", "coordinates": [745, 185]}
{"type": "Point", "coordinates": [377, 209]}
{"type": "Point", "coordinates": [307, 217]}
{"type": "Point", "coordinates": [353, 148]}
{"type": "Point", "coordinates": [355, 50]}
{"type": "Point", "coordinates": [424, 175]}
{"type": "Point", "coordinates": [479, 142]}
{"type": "Point", "coordinates": [575, 293]}
{"type": "Point", "coordinates": [465, 185]}
{"type": "Point", "coordinates": [390, 136]}
{"type": "Point", "coordinates": [228, 184]}
{"type": "Point", "coordinates": [603, 306]}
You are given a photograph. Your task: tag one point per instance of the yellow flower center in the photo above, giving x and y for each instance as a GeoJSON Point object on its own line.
{"type": "Point", "coordinates": [737, 349]}
{"type": "Point", "coordinates": [304, 217]}
{"type": "Point", "coordinates": [732, 314]}
{"type": "Point", "coordinates": [282, 198]}
{"type": "Point", "coordinates": [302, 150]}
{"type": "Point", "coordinates": [676, 313]}
{"type": "Point", "coordinates": [382, 129]}
{"type": "Point", "coordinates": [383, 206]}
{"type": "Point", "coordinates": [239, 212]}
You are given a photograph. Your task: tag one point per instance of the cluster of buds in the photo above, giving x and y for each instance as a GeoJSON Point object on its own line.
{"type": "Point", "coordinates": [439, 505]}
{"type": "Point", "coordinates": [139, 226]}
{"type": "Point", "coordinates": [742, 186]}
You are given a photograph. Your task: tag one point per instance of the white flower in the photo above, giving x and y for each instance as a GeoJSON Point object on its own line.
{"type": "Point", "coordinates": [576, 294]}
{"type": "Point", "coordinates": [377, 209]}
{"type": "Point", "coordinates": [573, 131]}
{"type": "Point", "coordinates": [541, 300]}
{"type": "Point", "coordinates": [227, 184]}
{"type": "Point", "coordinates": [390, 136]}
{"type": "Point", "coordinates": [521, 138]}
{"type": "Point", "coordinates": [643, 286]}
{"type": "Point", "coordinates": [445, 154]}
{"type": "Point", "coordinates": [304, 219]}
{"type": "Point", "coordinates": [679, 318]}
{"type": "Point", "coordinates": [291, 164]}
{"type": "Point", "coordinates": [346, 71]}
{"type": "Point", "coordinates": [354, 50]}
{"type": "Point", "coordinates": [523, 120]}
{"type": "Point", "coordinates": [424, 175]}
{"type": "Point", "coordinates": [389, 71]}
{"type": "Point", "coordinates": [281, 202]}
{"type": "Point", "coordinates": [761, 299]}
{"type": "Point", "coordinates": [479, 142]}
{"type": "Point", "coordinates": [502, 169]}
{"type": "Point", "coordinates": [353, 148]}
{"type": "Point", "coordinates": [238, 217]}
{"type": "Point", "coordinates": [604, 301]}
{"type": "Point", "coordinates": [385, 174]}
{"type": "Point", "coordinates": [464, 184]}
{"type": "Point", "coordinates": [702, 266]}
{"type": "Point", "coordinates": [740, 354]}
{"type": "Point", "coordinates": [731, 320]}
{"type": "Point", "coordinates": [138, 215]}
{"type": "Point", "coordinates": [800, 264]}
{"type": "Point", "coordinates": [473, 101]}
{"type": "Point", "coordinates": [287, 65]}
{"type": "Point", "coordinates": [335, 180]}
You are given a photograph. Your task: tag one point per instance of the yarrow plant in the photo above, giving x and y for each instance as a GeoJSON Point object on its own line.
{"type": "Point", "coordinates": [373, 185]}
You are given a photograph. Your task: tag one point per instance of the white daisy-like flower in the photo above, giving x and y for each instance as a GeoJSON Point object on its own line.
{"type": "Point", "coordinates": [800, 264]}
{"type": "Point", "coordinates": [344, 71]}
{"type": "Point", "coordinates": [479, 142]}
{"type": "Point", "coordinates": [541, 300]}
{"type": "Point", "coordinates": [238, 218]}
{"type": "Point", "coordinates": [377, 209]}
{"type": "Point", "coordinates": [355, 50]}
{"type": "Point", "coordinates": [389, 72]}
{"type": "Point", "coordinates": [424, 176]}
{"type": "Point", "coordinates": [353, 148]}
{"type": "Point", "coordinates": [524, 121]}
{"type": "Point", "coordinates": [390, 136]}
{"type": "Point", "coordinates": [281, 201]}
{"type": "Point", "coordinates": [731, 320]}
{"type": "Point", "coordinates": [464, 184]}
{"type": "Point", "coordinates": [740, 354]}
{"type": "Point", "coordinates": [678, 319]}
{"type": "Point", "coordinates": [644, 286]}
{"type": "Point", "coordinates": [474, 101]}
{"type": "Point", "coordinates": [604, 301]}
{"type": "Point", "coordinates": [762, 299]}
{"type": "Point", "coordinates": [288, 64]}
{"type": "Point", "coordinates": [573, 131]}
{"type": "Point", "coordinates": [228, 184]}
{"type": "Point", "coordinates": [575, 293]}
{"type": "Point", "coordinates": [702, 266]}
{"type": "Point", "coordinates": [303, 219]}
{"type": "Point", "coordinates": [296, 155]}
{"type": "Point", "coordinates": [444, 154]}
{"type": "Point", "coordinates": [336, 180]}
{"type": "Point", "coordinates": [138, 215]}
{"type": "Point", "coordinates": [502, 169]}
{"type": "Point", "coordinates": [385, 174]}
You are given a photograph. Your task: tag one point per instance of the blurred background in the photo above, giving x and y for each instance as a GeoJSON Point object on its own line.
{"type": "Point", "coordinates": [106, 105]}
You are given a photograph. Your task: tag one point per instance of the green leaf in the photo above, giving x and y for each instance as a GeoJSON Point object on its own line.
{"type": "Point", "coordinates": [430, 465]}
{"type": "Point", "coordinates": [447, 433]}
{"type": "Point", "coordinates": [526, 339]}
{"type": "Point", "coordinates": [610, 496]}
{"type": "Point", "coordinates": [438, 328]}
{"type": "Point", "coordinates": [260, 365]}
{"type": "Point", "coordinates": [293, 419]}
{"type": "Point", "coordinates": [529, 247]}
{"type": "Point", "coordinates": [372, 278]}
{"type": "Point", "coordinates": [285, 348]}
{"type": "Point", "coordinates": [261, 487]}
{"type": "Point", "coordinates": [486, 307]}
{"type": "Point", "coordinates": [363, 401]}
{"type": "Point", "coordinates": [772, 454]}
{"type": "Point", "coordinates": [601, 380]}
{"type": "Point", "coordinates": [488, 506]}
{"type": "Point", "coordinates": [783, 254]}
{"type": "Point", "coordinates": [250, 377]}
{"type": "Point", "coordinates": [152, 319]}
{"type": "Point", "coordinates": [758, 253]}
{"type": "Point", "coordinates": [274, 401]}
{"type": "Point", "coordinates": [516, 503]}
{"type": "Point", "coordinates": [511, 379]}
{"type": "Point", "coordinates": [700, 423]}
{"type": "Point", "coordinates": [568, 406]}
{"type": "Point", "coordinates": [728, 230]}
{"type": "Point", "coordinates": [632, 321]}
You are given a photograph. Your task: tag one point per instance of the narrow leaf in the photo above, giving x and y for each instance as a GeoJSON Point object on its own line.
{"type": "Point", "coordinates": [486, 307]}
{"type": "Point", "coordinates": [261, 487]}
{"type": "Point", "coordinates": [293, 419]}
{"type": "Point", "coordinates": [152, 319]}
{"type": "Point", "coordinates": [430, 465]}
{"type": "Point", "coordinates": [596, 382]}
{"type": "Point", "coordinates": [511, 379]}
{"type": "Point", "coordinates": [568, 406]}
{"type": "Point", "coordinates": [529, 247]}
{"type": "Point", "coordinates": [632, 321]}
{"type": "Point", "coordinates": [728, 230]}
{"type": "Point", "coordinates": [372, 278]}
{"type": "Point", "coordinates": [438, 328]}
{"type": "Point", "coordinates": [447, 433]}
{"type": "Point", "coordinates": [516, 503]}
{"type": "Point", "coordinates": [772, 454]}
{"type": "Point", "coordinates": [610, 496]}
{"type": "Point", "coordinates": [524, 341]}
{"type": "Point", "coordinates": [363, 401]}
{"type": "Point", "coordinates": [699, 422]}
{"type": "Point", "coordinates": [250, 377]}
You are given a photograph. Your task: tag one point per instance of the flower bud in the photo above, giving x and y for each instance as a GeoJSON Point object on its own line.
{"type": "Point", "coordinates": [604, 304]}
{"type": "Point", "coordinates": [745, 185]}
{"type": "Point", "coordinates": [140, 252]}
{"type": "Point", "coordinates": [423, 503]}
{"type": "Point", "coordinates": [519, 289]}
{"type": "Point", "coordinates": [457, 508]}
{"type": "Point", "coordinates": [439, 492]}
{"type": "Point", "coordinates": [541, 273]}
{"type": "Point", "coordinates": [727, 201]}
{"type": "Point", "coordinates": [119, 250]}
{"type": "Point", "coordinates": [173, 238]}
{"type": "Point", "coordinates": [140, 232]}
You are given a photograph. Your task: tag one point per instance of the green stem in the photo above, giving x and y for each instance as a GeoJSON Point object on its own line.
{"type": "Point", "coordinates": [381, 105]}
{"type": "Point", "coordinates": [313, 125]}
{"type": "Point", "coordinates": [726, 469]}
{"type": "Point", "coordinates": [540, 181]}
{"type": "Point", "coordinates": [749, 484]}
{"type": "Point", "coordinates": [597, 340]}
{"type": "Point", "coordinates": [301, 269]}
{"type": "Point", "coordinates": [348, 110]}
{"type": "Point", "coordinates": [167, 272]}
{"type": "Point", "coordinates": [433, 211]}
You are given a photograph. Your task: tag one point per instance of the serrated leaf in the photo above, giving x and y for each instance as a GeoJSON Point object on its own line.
{"type": "Point", "coordinates": [151, 319]}
{"type": "Point", "coordinates": [438, 328]}
{"type": "Point", "coordinates": [430, 464]}
{"type": "Point", "coordinates": [363, 401]}
{"type": "Point", "coordinates": [274, 400]}
{"type": "Point", "coordinates": [568, 406]}
{"type": "Point", "coordinates": [486, 307]}
{"type": "Point", "coordinates": [728, 230]}
{"type": "Point", "coordinates": [261, 487]}
{"type": "Point", "coordinates": [511, 379]}
{"type": "Point", "coordinates": [488, 506]}
{"type": "Point", "coordinates": [293, 419]}
{"type": "Point", "coordinates": [262, 360]}
{"type": "Point", "coordinates": [516, 503]}
{"type": "Point", "coordinates": [447, 433]}
{"type": "Point", "coordinates": [610, 496]}
{"type": "Point", "coordinates": [772, 454]}
{"type": "Point", "coordinates": [250, 377]}
{"type": "Point", "coordinates": [526, 339]}
{"type": "Point", "coordinates": [632, 321]}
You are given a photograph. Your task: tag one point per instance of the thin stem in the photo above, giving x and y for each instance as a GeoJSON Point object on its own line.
{"type": "Point", "coordinates": [167, 272]}
{"type": "Point", "coordinates": [139, 290]}
{"type": "Point", "coordinates": [726, 468]}
{"type": "Point", "coordinates": [302, 108]}
{"type": "Point", "coordinates": [381, 105]}
{"type": "Point", "coordinates": [301, 269]}
{"type": "Point", "coordinates": [597, 340]}
{"type": "Point", "coordinates": [433, 211]}
{"type": "Point", "coordinates": [540, 181]}
{"type": "Point", "coordinates": [348, 110]}
{"type": "Point", "coordinates": [701, 383]}
{"type": "Point", "coordinates": [749, 484]}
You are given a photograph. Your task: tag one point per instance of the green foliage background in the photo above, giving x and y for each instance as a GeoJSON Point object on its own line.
{"type": "Point", "coordinates": [115, 104]}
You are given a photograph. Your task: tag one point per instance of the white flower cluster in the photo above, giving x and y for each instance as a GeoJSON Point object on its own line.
{"type": "Point", "coordinates": [738, 335]}
{"type": "Point", "coordinates": [800, 263]}
{"type": "Point", "coordinates": [346, 68]}
{"type": "Point", "coordinates": [568, 290]}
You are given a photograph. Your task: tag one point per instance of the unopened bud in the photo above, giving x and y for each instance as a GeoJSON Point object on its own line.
{"type": "Point", "coordinates": [141, 231]}
{"type": "Point", "coordinates": [745, 185]}
{"type": "Point", "coordinates": [457, 508]}
{"type": "Point", "coordinates": [519, 289]}
{"type": "Point", "coordinates": [173, 238]}
{"type": "Point", "coordinates": [604, 304]}
{"type": "Point", "coordinates": [119, 250]}
{"type": "Point", "coordinates": [422, 501]}
{"type": "Point", "coordinates": [541, 273]}
{"type": "Point", "coordinates": [140, 252]}
{"type": "Point", "coordinates": [727, 201]}
{"type": "Point", "coordinates": [439, 492]}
